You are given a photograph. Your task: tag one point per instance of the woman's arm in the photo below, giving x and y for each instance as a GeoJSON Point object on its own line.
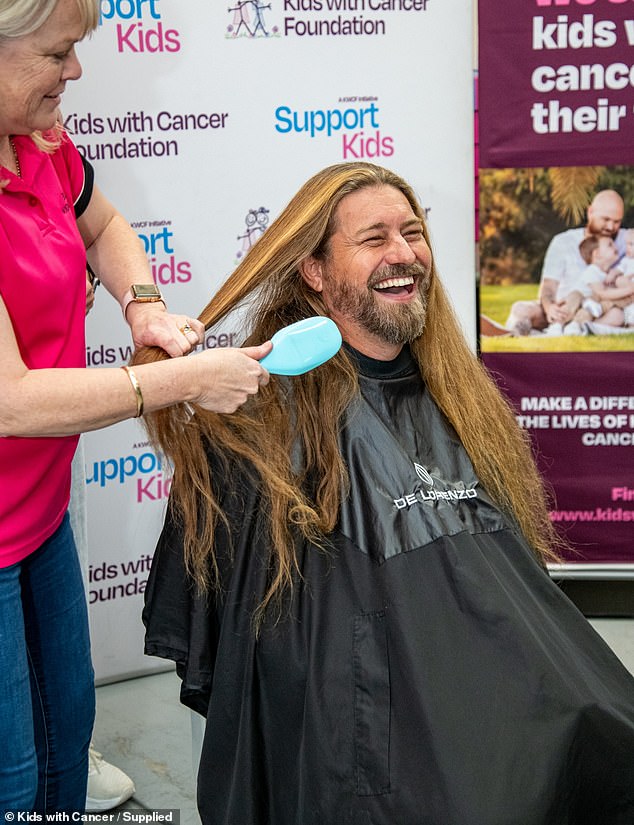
{"type": "Point", "coordinates": [116, 254]}
{"type": "Point", "coordinates": [54, 402]}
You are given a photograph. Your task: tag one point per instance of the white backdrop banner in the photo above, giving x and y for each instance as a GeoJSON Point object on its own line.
{"type": "Point", "coordinates": [202, 120]}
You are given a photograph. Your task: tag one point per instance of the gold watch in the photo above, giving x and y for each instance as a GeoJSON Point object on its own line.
{"type": "Point", "coordinates": [142, 294]}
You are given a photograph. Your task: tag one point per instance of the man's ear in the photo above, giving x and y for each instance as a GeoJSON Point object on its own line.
{"type": "Point", "coordinates": [311, 271]}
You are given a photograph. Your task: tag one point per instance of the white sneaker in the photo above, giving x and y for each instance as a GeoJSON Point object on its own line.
{"type": "Point", "coordinates": [108, 786]}
{"type": "Point", "coordinates": [574, 328]}
{"type": "Point", "coordinates": [554, 329]}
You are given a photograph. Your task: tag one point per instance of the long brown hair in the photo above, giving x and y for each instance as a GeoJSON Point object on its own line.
{"type": "Point", "coordinates": [264, 436]}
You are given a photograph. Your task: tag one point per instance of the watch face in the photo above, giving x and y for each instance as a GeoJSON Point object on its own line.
{"type": "Point", "coordinates": [145, 292]}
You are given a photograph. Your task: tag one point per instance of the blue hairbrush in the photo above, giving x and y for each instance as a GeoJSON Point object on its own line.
{"type": "Point", "coordinates": [302, 346]}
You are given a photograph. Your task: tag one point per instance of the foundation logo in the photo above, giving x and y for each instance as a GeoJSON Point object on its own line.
{"type": "Point", "coordinates": [138, 134]}
{"type": "Point", "coordinates": [248, 20]}
{"type": "Point", "coordinates": [319, 18]}
{"type": "Point", "coordinates": [356, 121]}
{"type": "Point", "coordinates": [256, 221]}
{"type": "Point", "coordinates": [139, 27]}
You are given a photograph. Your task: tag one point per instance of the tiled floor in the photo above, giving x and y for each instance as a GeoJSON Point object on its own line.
{"type": "Point", "coordinates": [142, 728]}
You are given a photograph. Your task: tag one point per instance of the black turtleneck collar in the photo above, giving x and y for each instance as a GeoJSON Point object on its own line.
{"type": "Point", "coordinates": [400, 366]}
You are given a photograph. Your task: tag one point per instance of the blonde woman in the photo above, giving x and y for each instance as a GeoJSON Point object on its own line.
{"type": "Point", "coordinates": [52, 220]}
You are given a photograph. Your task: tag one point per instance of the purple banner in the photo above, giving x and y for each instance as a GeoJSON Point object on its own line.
{"type": "Point", "coordinates": [579, 410]}
{"type": "Point", "coordinates": [556, 82]}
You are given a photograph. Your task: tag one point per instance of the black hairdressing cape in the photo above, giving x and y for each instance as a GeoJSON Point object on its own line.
{"type": "Point", "coordinates": [429, 672]}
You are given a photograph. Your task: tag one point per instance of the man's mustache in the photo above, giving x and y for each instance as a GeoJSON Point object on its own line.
{"type": "Point", "coordinates": [415, 270]}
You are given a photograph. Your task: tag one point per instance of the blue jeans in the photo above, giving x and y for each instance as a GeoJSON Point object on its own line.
{"type": "Point", "coordinates": [47, 696]}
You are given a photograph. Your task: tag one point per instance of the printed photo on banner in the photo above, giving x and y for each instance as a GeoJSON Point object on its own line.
{"type": "Point", "coordinates": [556, 252]}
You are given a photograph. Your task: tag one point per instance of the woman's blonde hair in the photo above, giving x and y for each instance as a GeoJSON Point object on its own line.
{"type": "Point", "coordinates": [21, 17]}
{"type": "Point", "coordinates": [263, 434]}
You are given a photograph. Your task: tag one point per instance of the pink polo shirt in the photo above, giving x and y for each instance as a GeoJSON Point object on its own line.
{"type": "Point", "coordinates": [42, 283]}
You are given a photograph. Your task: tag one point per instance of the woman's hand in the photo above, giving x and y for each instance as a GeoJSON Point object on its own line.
{"type": "Point", "coordinates": [153, 326]}
{"type": "Point", "coordinates": [227, 377]}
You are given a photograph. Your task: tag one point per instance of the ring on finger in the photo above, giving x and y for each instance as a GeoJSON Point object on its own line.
{"type": "Point", "coordinates": [186, 328]}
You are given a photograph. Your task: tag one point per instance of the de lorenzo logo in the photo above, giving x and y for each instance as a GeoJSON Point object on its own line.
{"type": "Point", "coordinates": [423, 474]}
{"type": "Point", "coordinates": [459, 492]}
{"type": "Point", "coordinates": [248, 20]}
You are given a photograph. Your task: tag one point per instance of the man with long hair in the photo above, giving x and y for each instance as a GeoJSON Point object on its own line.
{"type": "Point", "coordinates": [352, 573]}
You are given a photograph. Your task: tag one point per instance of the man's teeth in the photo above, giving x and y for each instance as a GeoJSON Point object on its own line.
{"type": "Point", "coordinates": [391, 282]}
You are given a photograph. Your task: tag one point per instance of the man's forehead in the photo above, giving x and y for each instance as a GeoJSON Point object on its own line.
{"type": "Point", "coordinates": [606, 207]}
{"type": "Point", "coordinates": [374, 207]}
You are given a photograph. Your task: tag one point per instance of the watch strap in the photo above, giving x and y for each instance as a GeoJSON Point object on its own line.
{"type": "Point", "coordinates": [130, 298]}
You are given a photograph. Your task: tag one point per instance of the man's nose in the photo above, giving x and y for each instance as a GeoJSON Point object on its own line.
{"type": "Point", "coordinates": [399, 252]}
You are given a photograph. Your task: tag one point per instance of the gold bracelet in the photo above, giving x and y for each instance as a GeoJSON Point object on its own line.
{"type": "Point", "coordinates": [137, 391]}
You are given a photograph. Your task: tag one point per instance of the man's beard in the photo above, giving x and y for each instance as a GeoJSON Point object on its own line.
{"type": "Point", "coordinates": [394, 323]}
{"type": "Point", "coordinates": [603, 233]}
